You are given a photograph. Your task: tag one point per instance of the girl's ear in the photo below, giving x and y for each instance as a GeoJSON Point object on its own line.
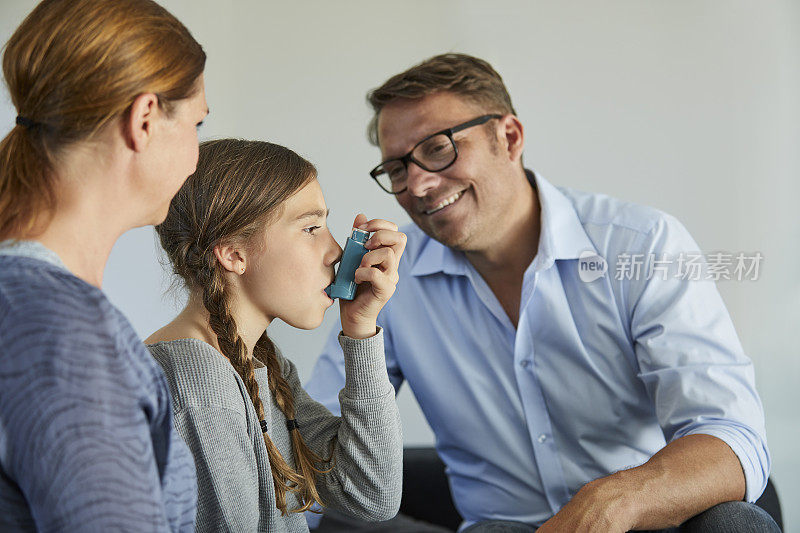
{"type": "Point", "coordinates": [231, 258]}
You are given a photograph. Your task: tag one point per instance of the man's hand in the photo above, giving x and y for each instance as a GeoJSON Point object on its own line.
{"type": "Point", "coordinates": [686, 477]}
{"type": "Point", "coordinates": [599, 506]}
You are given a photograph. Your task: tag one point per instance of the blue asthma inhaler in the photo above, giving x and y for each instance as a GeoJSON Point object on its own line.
{"type": "Point", "coordinates": [344, 286]}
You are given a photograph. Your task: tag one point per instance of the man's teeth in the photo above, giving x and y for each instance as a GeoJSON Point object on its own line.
{"type": "Point", "coordinates": [444, 203]}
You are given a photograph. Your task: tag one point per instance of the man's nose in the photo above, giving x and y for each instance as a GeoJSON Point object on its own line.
{"type": "Point", "coordinates": [419, 181]}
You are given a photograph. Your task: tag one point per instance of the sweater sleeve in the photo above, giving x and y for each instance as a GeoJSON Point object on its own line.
{"type": "Point", "coordinates": [226, 467]}
{"type": "Point", "coordinates": [366, 442]}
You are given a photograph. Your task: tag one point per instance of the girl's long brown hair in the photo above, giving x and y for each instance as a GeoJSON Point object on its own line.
{"type": "Point", "coordinates": [238, 187]}
{"type": "Point", "coordinates": [72, 67]}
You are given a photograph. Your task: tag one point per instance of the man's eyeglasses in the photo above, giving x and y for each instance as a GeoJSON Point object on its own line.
{"type": "Point", "coordinates": [434, 153]}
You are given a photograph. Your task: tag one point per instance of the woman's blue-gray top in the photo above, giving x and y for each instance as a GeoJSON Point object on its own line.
{"type": "Point", "coordinates": [86, 435]}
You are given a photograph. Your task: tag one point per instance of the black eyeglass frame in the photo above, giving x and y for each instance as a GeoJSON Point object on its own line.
{"type": "Point", "coordinates": [409, 158]}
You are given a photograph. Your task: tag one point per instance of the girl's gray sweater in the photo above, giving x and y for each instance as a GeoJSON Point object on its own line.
{"type": "Point", "coordinates": [214, 415]}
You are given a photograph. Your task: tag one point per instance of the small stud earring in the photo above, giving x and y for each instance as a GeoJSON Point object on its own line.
{"type": "Point", "coordinates": [242, 272]}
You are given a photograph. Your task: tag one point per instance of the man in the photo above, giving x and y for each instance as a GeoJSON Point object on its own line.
{"type": "Point", "coordinates": [562, 395]}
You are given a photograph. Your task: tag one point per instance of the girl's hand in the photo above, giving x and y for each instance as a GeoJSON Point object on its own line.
{"type": "Point", "coordinates": [376, 276]}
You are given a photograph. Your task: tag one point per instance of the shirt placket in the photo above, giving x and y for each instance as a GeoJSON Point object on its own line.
{"type": "Point", "coordinates": [537, 417]}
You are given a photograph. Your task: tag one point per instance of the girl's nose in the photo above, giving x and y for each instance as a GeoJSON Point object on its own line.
{"type": "Point", "coordinates": [334, 251]}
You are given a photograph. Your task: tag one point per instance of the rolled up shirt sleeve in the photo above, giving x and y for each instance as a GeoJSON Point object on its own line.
{"type": "Point", "coordinates": [691, 360]}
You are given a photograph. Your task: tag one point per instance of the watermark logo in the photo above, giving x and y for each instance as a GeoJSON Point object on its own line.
{"type": "Point", "coordinates": [591, 266]}
{"type": "Point", "coordinates": [689, 266]}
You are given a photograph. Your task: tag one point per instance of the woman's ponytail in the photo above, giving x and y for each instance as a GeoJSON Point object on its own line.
{"type": "Point", "coordinates": [26, 191]}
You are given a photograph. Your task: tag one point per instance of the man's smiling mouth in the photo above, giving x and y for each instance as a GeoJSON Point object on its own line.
{"type": "Point", "coordinates": [444, 203]}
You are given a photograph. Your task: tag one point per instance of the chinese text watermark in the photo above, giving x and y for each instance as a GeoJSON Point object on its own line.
{"type": "Point", "coordinates": [688, 266]}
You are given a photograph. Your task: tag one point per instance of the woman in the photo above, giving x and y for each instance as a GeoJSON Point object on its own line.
{"type": "Point", "coordinates": [247, 235]}
{"type": "Point", "coordinates": [108, 95]}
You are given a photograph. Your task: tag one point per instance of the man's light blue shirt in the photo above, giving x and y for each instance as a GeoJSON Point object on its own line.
{"type": "Point", "coordinates": [597, 377]}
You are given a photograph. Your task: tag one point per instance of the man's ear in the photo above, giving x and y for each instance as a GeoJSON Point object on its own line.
{"type": "Point", "coordinates": [512, 137]}
{"type": "Point", "coordinates": [231, 258]}
{"type": "Point", "coordinates": [138, 126]}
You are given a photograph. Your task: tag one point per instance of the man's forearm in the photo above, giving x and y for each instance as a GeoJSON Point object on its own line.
{"type": "Point", "coordinates": [686, 477]}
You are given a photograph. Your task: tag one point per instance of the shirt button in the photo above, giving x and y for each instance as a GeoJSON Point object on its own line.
{"type": "Point", "coordinates": [525, 363]}
{"type": "Point", "coordinates": [542, 438]}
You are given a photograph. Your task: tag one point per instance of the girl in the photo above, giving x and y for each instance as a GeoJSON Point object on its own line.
{"type": "Point", "coordinates": [108, 95]}
{"type": "Point", "coordinates": [247, 234]}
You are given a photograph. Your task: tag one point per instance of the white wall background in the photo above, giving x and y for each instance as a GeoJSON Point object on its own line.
{"type": "Point", "coordinates": [689, 106]}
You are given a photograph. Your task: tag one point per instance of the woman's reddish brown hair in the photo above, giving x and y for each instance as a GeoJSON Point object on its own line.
{"type": "Point", "coordinates": [72, 67]}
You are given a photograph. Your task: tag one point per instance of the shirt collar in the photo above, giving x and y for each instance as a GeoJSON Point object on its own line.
{"type": "Point", "coordinates": [435, 257]}
{"type": "Point", "coordinates": [562, 236]}
{"type": "Point", "coordinates": [33, 250]}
